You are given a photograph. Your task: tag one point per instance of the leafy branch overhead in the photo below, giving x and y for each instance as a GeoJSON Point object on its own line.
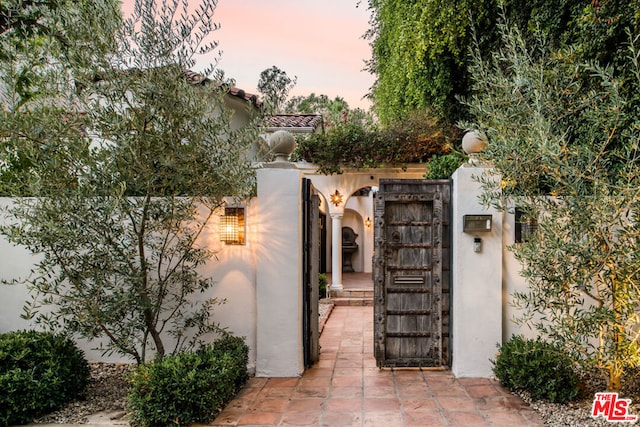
{"type": "Point", "coordinates": [352, 144]}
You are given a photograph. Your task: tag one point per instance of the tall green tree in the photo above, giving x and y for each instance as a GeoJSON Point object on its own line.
{"type": "Point", "coordinates": [274, 85]}
{"type": "Point", "coordinates": [134, 160]}
{"type": "Point", "coordinates": [419, 53]}
{"type": "Point", "coordinates": [567, 150]}
{"type": "Point", "coordinates": [420, 49]}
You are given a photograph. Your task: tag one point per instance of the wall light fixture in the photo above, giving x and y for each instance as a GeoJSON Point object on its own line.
{"type": "Point", "coordinates": [336, 198]}
{"type": "Point", "coordinates": [232, 226]}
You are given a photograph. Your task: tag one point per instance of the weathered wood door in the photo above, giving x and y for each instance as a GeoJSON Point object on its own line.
{"type": "Point", "coordinates": [411, 273]}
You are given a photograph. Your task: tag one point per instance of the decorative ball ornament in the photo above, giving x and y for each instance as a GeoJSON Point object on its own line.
{"type": "Point", "coordinates": [282, 143]}
{"type": "Point", "coordinates": [474, 142]}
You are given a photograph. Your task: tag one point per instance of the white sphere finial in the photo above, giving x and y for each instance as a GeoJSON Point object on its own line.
{"type": "Point", "coordinates": [474, 142]}
{"type": "Point", "coordinates": [282, 143]}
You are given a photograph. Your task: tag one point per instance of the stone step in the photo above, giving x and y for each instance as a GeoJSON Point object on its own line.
{"type": "Point", "coordinates": [352, 297]}
{"type": "Point", "coordinates": [352, 293]}
{"type": "Point", "coordinates": [360, 302]}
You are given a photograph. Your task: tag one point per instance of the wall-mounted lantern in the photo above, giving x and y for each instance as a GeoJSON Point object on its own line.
{"type": "Point", "coordinates": [336, 198]}
{"type": "Point", "coordinates": [232, 226]}
{"type": "Point", "coordinates": [367, 222]}
{"type": "Point", "coordinates": [476, 223]}
{"type": "Point", "coordinates": [525, 228]}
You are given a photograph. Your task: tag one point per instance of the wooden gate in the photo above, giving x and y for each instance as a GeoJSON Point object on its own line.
{"type": "Point", "coordinates": [411, 273]}
{"type": "Point", "coordinates": [310, 245]}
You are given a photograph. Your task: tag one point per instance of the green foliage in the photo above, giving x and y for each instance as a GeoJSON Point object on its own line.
{"type": "Point", "coordinates": [442, 167]}
{"type": "Point", "coordinates": [419, 54]}
{"type": "Point", "coordinates": [350, 144]}
{"type": "Point", "coordinates": [420, 48]}
{"type": "Point", "coordinates": [564, 138]}
{"type": "Point", "coordinates": [188, 387]}
{"type": "Point", "coordinates": [332, 110]}
{"type": "Point", "coordinates": [322, 285]}
{"type": "Point", "coordinates": [543, 370]}
{"type": "Point", "coordinates": [130, 158]}
{"type": "Point", "coordinates": [39, 373]}
{"type": "Point", "coordinates": [274, 85]}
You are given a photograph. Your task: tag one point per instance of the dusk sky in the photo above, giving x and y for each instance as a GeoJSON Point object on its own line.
{"type": "Point", "coordinates": [320, 42]}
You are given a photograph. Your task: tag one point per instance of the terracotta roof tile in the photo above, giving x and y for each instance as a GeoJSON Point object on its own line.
{"type": "Point", "coordinates": [198, 79]}
{"type": "Point", "coordinates": [312, 121]}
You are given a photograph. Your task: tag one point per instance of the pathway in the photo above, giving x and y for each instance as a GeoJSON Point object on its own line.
{"type": "Point", "coordinates": [344, 388]}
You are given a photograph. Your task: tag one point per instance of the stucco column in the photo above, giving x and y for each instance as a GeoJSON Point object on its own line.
{"type": "Point", "coordinates": [476, 306]}
{"type": "Point", "coordinates": [336, 251]}
{"type": "Point", "coordinates": [279, 273]}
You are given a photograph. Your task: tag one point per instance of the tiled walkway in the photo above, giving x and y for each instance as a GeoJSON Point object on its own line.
{"type": "Point", "coordinates": [345, 388]}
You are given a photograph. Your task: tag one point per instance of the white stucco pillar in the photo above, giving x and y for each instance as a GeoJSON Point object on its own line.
{"type": "Point", "coordinates": [279, 350]}
{"type": "Point", "coordinates": [476, 307]}
{"type": "Point", "coordinates": [336, 251]}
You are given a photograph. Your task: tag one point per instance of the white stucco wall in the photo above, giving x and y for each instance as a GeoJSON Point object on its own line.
{"type": "Point", "coordinates": [512, 282]}
{"type": "Point", "coordinates": [261, 279]}
{"type": "Point", "coordinates": [233, 272]}
{"type": "Point", "coordinates": [477, 296]}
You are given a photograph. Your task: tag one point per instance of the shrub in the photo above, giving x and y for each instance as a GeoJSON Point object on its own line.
{"type": "Point", "coordinates": [322, 285]}
{"type": "Point", "coordinates": [188, 387]}
{"type": "Point", "coordinates": [537, 367]}
{"type": "Point", "coordinates": [39, 372]}
{"type": "Point", "coordinates": [443, 166]}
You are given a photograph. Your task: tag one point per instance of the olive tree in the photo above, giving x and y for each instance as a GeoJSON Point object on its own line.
{"type": "Point", "coordinates": [136, 156]}
{"type": "Point", "coordinates": [565, 139]}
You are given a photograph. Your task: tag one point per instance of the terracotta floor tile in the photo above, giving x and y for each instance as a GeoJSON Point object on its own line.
{"type": "Point", "coordinates": [451, 391]}
{"type": "Point", "coordinates": [269, 405]}
{"type": "Point", "coordinates": [348, 363]}
{"type": "Point", "coordinates": [248, 393]}
{"type": "Point", "coordinates": [240, 403]}
{"type": "Point", "coordinates": [386, 419]}
{"type": "Point", "coordinates": [275, 392]}
{"type": "Point", "coordinates": [346, 372]}
{"type": "Point", "coordinates": [456, 403]}
{"type": "Point", "coordinates": [376, 381]}
{"type": "Point", "coordinates": [255, 382]}
{"type": "Point", "coordinates": [378, 404]}
{"type": "Point", "coordinates": [260, 419]}
{"type": "Point", "coordinates": [305, 405]}
{"type": "Point", "coordinates": [282, 382]}
{"type": "Point", "coordinates": [351, 392]}
{"type": "Point", "coordinates": [305, 392]}
{"type": "Point", "coordinates": [341, 419]}
{"type": "Point", "coordinates": [379, 392]}
{"type": "Point", "coordinates": [469, 382]}
{"type": "Point", "coordinates": [415, 390]}
{"type": "Point", "coordinates": [344, 405]}
{"type": "Point", "coordinates": [424, 419]}
{"type": "Point", "coordinates": [300, 419]}
{"type": "Point", "coordinates": [419, 405]}
{"type": "Point", "coordinates": [347, 381]}
{"type": "Point", "coordinates": [345, 388]}
{"type": "Point", "coordinates": [306, 382]}
{"type": "Point", "coordinates": [463, 419]}
{"type": "Point", "coordinates": [317, 371]}
{"type": "Point", "coordinates": [357, 349]}
{"type": "Point", "coordinates": [482, 391]}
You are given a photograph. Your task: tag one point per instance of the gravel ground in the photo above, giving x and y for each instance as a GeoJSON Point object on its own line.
{"type": "Point", "coordinates": [107, 391]}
